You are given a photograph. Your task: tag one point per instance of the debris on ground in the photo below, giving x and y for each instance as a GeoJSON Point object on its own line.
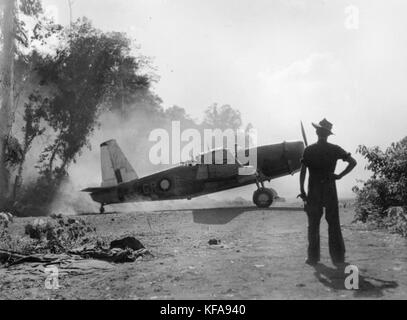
{"type": "Point", "coordinates": [67, 266]}
{"type": "Point", "coordinates": [214, 242]}
{"type": "Point", "coordinates": [124, 250]}
{"type": "Point", "coordinates": [95, 252]}
{"type": "Point", "coordinates": [57, 238]}
{"type": "Point", "coordinates": [111, 255]}
{"type": "Point", "coordinates": [14, 258]}
{"type": "Point", "coordinates": [6, 218]}
{"type": "Point", "coordinates": [59, 234]}
{"type": "Point", "coordinates": [127, 243]}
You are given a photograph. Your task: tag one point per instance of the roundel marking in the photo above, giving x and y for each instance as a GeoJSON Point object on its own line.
{"type": "Point", "coordinates": [165, 184]}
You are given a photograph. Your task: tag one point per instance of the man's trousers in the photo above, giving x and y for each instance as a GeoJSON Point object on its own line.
{"type": "Point", "coordinates": [336, 243]}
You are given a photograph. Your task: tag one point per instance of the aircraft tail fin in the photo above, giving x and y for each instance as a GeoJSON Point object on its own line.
{"type": "Point", "coordinates": [116, 169]}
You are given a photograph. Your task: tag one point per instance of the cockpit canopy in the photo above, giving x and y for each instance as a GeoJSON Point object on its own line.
{"type": "Point", "coordinates": [218, 156]}
{"type": "Point", "coordinates": [215, 157]}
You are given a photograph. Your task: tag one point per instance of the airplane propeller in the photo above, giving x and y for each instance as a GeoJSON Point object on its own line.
{"type": "Point", "coordinates": [304, 136]}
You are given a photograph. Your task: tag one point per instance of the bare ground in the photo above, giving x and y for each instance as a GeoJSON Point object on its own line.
{"type": "Point", "coordinates": [261, 256]}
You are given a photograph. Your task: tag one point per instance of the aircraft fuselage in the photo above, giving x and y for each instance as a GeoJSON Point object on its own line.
{"type": "Point", "coordinates": [189, 181]}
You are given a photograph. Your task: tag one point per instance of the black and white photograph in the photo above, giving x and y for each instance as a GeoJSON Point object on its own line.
{"type": "Point", "coordinates": [225, 151]}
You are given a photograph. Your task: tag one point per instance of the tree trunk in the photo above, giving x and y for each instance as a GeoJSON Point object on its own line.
{"type": "Point", "coordinates": [19, 177]}
{"type": "Point", "coordinates": [7, 97]}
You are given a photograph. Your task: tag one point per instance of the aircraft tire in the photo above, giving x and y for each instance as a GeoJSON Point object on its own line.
{"type": "Point", "coordinates": [263, 198]}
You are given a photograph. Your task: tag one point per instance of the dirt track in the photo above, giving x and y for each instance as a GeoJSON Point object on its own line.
{"type": "Point", "coordinates": [261, 256]}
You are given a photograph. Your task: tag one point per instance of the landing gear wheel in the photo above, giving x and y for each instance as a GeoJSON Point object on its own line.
{"type": "Point", "coordinates": [102, 210]}
{"type": "Point", "coordinates": [263, 198]}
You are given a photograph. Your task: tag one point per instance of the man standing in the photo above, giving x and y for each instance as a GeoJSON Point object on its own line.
{"type": "Point", "coordinates": [320, 159]}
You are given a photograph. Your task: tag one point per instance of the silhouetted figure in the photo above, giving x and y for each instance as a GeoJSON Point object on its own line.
{"type": "Point", "coordinates": [320, 159]}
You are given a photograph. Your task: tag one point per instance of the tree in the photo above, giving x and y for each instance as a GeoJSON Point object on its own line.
{"type": "Point", "coordinates": [34, 112]}
{"type": "Point", "coordinates": [94, 72]}
{"type": "Point", "coordinates": [8, 28]}
{"type": "Point", "coordinates": [70, 4]}
{"type": "Point", "coordinates": [61, 94]}
{"type": "Point", "coordinates": [15, 35]}
{"type": "Point", "coordinates": [222, 118]}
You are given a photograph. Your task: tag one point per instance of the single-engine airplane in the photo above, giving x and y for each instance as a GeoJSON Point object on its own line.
{"type": "Point", "coordinates": [120, 183]}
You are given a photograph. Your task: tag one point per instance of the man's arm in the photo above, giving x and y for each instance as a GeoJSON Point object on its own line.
{"type": "Point", "coordinates": [351, 165]}
{"type": "Point", "coordinates": [303, 175]}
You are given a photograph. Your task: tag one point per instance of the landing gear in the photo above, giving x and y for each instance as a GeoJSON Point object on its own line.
{"type": "Point", "coordinates": [259, 181]}
{"type": "Point", "coordinates": [102, 209]}
{"type": "Point", "coordinates": [263, 198]}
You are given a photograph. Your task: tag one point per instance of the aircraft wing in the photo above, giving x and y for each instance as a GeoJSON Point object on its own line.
{"type": "Point", "coordinates": [96, 189]}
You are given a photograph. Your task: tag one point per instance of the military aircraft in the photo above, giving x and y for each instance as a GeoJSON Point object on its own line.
{"type": "Point", "coordinates": [121, 184]}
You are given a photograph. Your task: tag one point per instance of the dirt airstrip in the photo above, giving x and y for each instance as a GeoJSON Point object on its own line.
{"type": "Point", "coordinates": [261, 255]}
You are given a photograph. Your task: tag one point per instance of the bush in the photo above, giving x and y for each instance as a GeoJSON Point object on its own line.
{"type": "Point", "coordinates": [19, 244]}
{"type": "Point", "coordinates": [4, 234]}
{"type": "Point", "coordinates": [386, 189]}
{"type": "Point", "coordinates": [60, 234]}
{"type": "Point", "coordinates": [396, 220]}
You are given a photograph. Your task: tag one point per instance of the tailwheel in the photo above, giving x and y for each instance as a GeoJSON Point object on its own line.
{"type": "Point", "coordinates": [102, 209]}
{"type": "Point", "coordinates": [263, 198]}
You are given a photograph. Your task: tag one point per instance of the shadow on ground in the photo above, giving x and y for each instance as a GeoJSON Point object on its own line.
{"type": "Point", "coordinates": [369, 287]}
{"type": "Point", "coordinates": [216, 217]}
{"type": "Point", "coordinates": [219, 216]}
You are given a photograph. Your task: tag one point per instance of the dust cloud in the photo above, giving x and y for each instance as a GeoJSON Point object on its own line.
{"type": "Point", "coordinates": [132, 133]}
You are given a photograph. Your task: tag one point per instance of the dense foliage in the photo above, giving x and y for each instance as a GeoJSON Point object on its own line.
{"type": "Point", "coordinates": [383, 198]}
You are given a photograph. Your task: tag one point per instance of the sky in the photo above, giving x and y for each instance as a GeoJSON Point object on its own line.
{"type": "Point", "coordinates": [277, 61]}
